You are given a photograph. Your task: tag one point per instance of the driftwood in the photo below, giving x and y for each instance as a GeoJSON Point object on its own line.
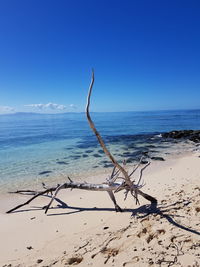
{"type": "Point", "coordinates": [119, 179]}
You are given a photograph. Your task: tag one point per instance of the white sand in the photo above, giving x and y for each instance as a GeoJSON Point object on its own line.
{"type": "Point", "coordinates": [84, 236]}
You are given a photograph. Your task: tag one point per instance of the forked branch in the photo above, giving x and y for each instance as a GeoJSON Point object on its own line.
{"type": "Point", "coordinates": [134, 189]}
{"type": "Point", "coordinates": [119, 179]}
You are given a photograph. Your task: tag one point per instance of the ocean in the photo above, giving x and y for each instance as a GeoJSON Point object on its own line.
{"type": "Point", "coordinates": [46, 147]}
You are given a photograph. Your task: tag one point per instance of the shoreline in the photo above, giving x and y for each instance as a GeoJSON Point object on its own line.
{"type": "Point", "coordinates": [96, 175]}
{"type": "Point", "coordinates": [82, 159]}
{"type": "Point", "coordinates": [91, 176]}
{"type": "Point", "coordinates": [89, 231]}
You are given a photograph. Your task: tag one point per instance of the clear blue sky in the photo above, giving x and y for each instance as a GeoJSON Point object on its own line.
{"type": "Point", "coordinates": [146, 54]}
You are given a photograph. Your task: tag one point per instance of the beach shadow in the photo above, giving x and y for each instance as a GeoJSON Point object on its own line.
{"type": "Point", "coordinates": [142, 212]}
{"type": "Point", "coordinates": [63, 205]}
{"type": "Point", "coordinates": [162, 210]}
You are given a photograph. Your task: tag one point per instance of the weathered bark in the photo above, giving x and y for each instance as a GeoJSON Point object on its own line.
{"type": "Point", "coordinates": [127, 178]}
{"type": "Point", "coordinates": [99, 138]}
{"type": "Point", "coordinates": [74, 185]}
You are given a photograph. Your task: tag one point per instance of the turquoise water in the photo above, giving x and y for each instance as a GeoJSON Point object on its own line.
{"type": "Point", "coordinates": [35, 147]}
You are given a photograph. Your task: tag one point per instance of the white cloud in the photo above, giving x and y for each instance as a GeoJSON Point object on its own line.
{"type": "Point", "coordinates": [47, 106]}
{"type": "Point", "coordinates": [73, 106]}
{"type": "Point", "coordinates": [5, 109]}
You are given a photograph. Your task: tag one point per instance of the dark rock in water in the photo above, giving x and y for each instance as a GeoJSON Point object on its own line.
{"type": "Point", "coordinates": [192, 135]}
{"type": "Point", "coordinates": [158, 158]}
{"type": "Point", "coordinates": [144, 161]}
{"type": "Point", "coordinates": [136, 154]}
{"type": "Point", "coordinates": [88, 151]}
{"type": "Point", "coordinates": [108, 165]}
{"type": "Point", "coordinates": [62, 162]}
{"type": "Point", "coordinates": [84, 155]}
{"type": "Point", "coordinates": [76, 157]}
{"type": "Point", "coordinates": [100, 151]}
{"type": "Point", "coordinates": [95, 167]}
{"type": "Point", "coordinates": [130, 160]}
{"type": "Point", "coordinates": [131, 154]}
{"type": "Point", "coordinates": [44, 172]}
{"type": "Point", "coordinates": [104, 162]}
{"type": "Point", "coordinates": [131, 146]}
{"type": "Point", "coordinates": [126, 154]}
{"type": "Point", "coordinates": [96, 155]}
{"type": "Point", "coordinates": [87, 144]}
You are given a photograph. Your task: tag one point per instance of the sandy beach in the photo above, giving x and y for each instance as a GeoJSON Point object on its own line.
{"type": "Point", "coordinates": [100, 99]}
{"type": "Point", "coordinates": [82, 228]}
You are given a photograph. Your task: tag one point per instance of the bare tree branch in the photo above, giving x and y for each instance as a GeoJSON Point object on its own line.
{"type": "Point", "coordinates": [101, 142]}
{"type": "Point", "coordinates": [125, 181]}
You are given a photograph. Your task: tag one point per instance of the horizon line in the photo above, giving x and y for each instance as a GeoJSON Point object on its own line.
{"type": "Point", "coordinates": [80, 112]}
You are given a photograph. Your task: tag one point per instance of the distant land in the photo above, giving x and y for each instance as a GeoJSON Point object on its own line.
{"type": "Point", "coordinates": [36, 113]}
{"type": "Point", "coordinates": [81, 112]}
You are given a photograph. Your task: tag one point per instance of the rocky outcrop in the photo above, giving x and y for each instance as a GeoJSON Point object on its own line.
{"type": "Point", "coordinates": [192, 135]}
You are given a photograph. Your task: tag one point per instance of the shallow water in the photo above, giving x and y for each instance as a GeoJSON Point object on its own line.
{"type": "Point", "coordinates": [35, 147]}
